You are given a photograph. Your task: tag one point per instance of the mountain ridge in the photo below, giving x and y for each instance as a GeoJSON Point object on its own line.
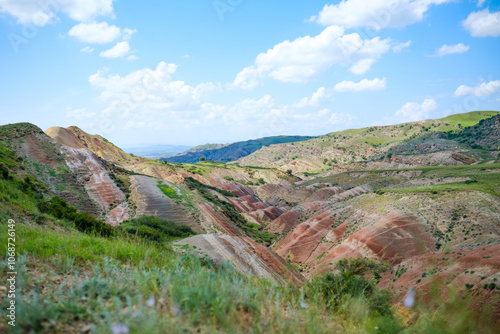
{"type": "Point", "coordinates": [230, 152]}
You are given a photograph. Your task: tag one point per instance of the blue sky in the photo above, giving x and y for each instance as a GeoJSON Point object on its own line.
{"type": "Point", "coordinates": [198, 71]}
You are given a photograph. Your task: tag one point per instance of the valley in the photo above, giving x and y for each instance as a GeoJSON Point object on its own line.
{"type": "Point", "coordinates": [420, 200]}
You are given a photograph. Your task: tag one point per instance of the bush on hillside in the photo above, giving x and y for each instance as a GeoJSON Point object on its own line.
{"type": "Point", "coordinates": [351, 282]}
{"type": "Point", "coordinates": [4, 172]}
{"type": "Point", "coordinates": [156, 229]}
{"type": "Point", "coordinates": [84, 222]}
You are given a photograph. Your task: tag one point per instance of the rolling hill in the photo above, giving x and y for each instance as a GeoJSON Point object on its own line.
{"type": "Point", "coordinates": [348, 147]}
{"type": "Point", "coordinates": [231, 152]}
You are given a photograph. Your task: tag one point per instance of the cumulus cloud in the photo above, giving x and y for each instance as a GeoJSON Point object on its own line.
{"type": "Point", "coordinates": [451, 49]}
{"type": "Point", "coordinates": [375, 14]}
{"type": "Point", "coordinates": [483, 89]}
{"type": "Point", "coordinates": [121, 49]}
{"type": "Point", "coordinates": [317, 99]}
{"type": "Point", "coordinates": [148, 91]}
{"type": "Point", "coordinates": [344, 119]}
{"type": "Point", "coordinates": [413, 111]}
{"type": "Point", "coordinates": [95, 33]}
{"type": "Point", "coordinates": [483, 23]}
{"type": "Point", "coordinates": [153, 99]}
{"type": "Point", "coordinates": [398, 47]}
{"type": "Point", "coordinates": [87, 49]}
{"type": "Point", "coordinates": [306, 58]}
{"type": "Point", "coordinates": [79, 114]}
{"type": "Point", "coordinates": [42, 12]}
{"type": "Point", "coordinates": [364, 85]}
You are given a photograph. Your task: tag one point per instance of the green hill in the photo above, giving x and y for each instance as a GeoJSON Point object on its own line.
{"type": "Point", "coordinates": [358, 145]}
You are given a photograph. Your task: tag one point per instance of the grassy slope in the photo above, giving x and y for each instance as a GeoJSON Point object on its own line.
{"type": "Point", "coordinates": [470, 118]}
{"type": "Point", "coordinates": [356, 144]}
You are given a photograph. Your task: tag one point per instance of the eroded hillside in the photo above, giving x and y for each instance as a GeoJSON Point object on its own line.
{"type": "Point", "coordinates": [423, 198]}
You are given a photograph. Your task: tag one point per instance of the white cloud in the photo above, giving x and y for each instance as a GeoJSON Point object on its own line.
{"type": "Point", "coordinates": [317, 99]}
{"type": "Point", "coordinates": [375, 14]}
{"type": "Point", "coordinates": [149, 92]}
{"type": "Point", "coordinates": [451, 49]}
{"type": "Point", "coordinates": [42, 12]}
{"type": "Point", "coordinates": [483, 89]}
{"type": "Point", "coordinates": [398, 47]}
{"type": "Point", "coordinates": [132, 57]}
{"type": "Point", "coordinates": [152, 99]}
{"type": "Point", "coordinates": [87, 49]}
{"type": "Point", "coordinates": [483, 23]}
{"type": "Point", "coordinates": [364, 85]}
{"type": "Point", "coordinates": [306, 58]}
{"type": "Point", "coordinates": [121, 49]}
{"type": "Point", "coordinates": [412, 111]}
{"type": "Point", "coordinates": [362, 66]}
{"type": "Point", "coordinates": [341, 119]}
{"type": "Point", "coordinates": [480, 3]}
{"type": "Point", "coordinates": [95, 33]}
{"type": "Point", "coordinates": [127, 33]}
{"type": "Point", "coordinates": [79, 114]}
{"type": "Point", "coordinates": [248, 110]}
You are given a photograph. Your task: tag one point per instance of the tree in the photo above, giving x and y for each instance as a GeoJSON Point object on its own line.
{"type": "Point", "coordinates": [202, 159]}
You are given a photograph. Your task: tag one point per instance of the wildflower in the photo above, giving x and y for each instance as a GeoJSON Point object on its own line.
{"type": "Point", "coordinates": [409, 299]}
{"type": "Point", "coordinates": [151, 301]}
{"type": "Point", "coordinates": [119, 329]}
{"type": "Point", "coordinates": [175, 309]}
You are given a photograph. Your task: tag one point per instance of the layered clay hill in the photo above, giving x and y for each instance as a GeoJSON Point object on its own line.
{"type": "Point", "coordinates": [423, 197]}
{"type": "Point", "coordinates": [76, 138]}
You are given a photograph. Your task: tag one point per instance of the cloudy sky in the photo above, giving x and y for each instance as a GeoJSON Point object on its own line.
{"type": "Point", "coordinates": [197, 71]}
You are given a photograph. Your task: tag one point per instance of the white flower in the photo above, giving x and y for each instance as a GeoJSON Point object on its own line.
{"type": "Point", "coordinates": [409, 299]}
{"type": "Point", "coordinates": [119, 329]}
{"type": "Point", "coordinates": [151, 301]}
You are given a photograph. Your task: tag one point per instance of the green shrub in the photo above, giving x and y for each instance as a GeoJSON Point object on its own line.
{"type": "Point", "coordinates": [4, 172]}
{"type": "Point", "coordinates": [167, 190]}
{"type": "Point", "coordinates": [84, 222]}
{"type": "Point", "coordinates": [156, 229]}
{"type": "Point", "coordinates": [351, 282]}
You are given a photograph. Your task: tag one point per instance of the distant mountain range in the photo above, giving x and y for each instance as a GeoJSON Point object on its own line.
{"type": "Point", "coordinates": [231, 152]}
